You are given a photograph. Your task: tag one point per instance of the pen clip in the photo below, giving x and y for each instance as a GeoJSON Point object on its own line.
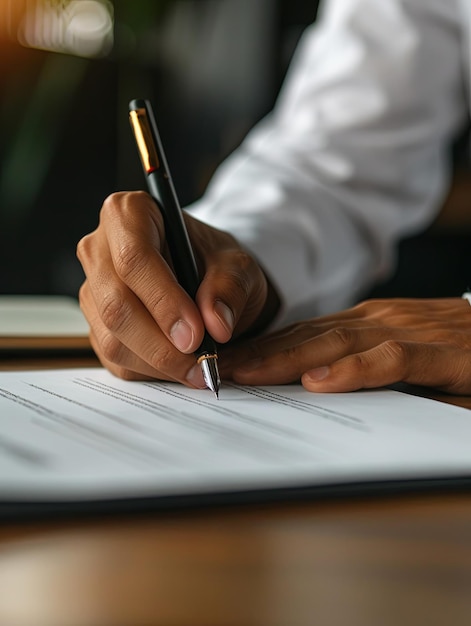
{"type": "Point", "coordinates": [144, 139]}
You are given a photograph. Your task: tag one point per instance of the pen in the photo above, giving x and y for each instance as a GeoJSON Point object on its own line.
{"type": "Point", "coordinates": [160, 186]}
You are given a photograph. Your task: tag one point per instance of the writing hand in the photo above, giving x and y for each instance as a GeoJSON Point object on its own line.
{"type": "Point", "coordinates": [376, 343]}
{"type": "Point", "coordinates": [142, 323]}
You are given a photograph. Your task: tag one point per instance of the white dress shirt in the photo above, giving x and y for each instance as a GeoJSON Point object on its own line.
{"type": "Point", "coordinates": [356, 152]}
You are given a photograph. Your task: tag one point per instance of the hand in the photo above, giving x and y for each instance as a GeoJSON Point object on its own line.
{"type": "Point", "coordinates": [142, 323]}
{"type": "Point", "coordinates": [376, 343]}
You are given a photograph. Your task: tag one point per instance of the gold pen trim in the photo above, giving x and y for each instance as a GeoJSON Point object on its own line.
{"type": "Point", "coordinates": [210, 371]}
{"type": "Point", "coordinates": [204, 357]}
{"type": "Point", "coordinates": [144, 140]}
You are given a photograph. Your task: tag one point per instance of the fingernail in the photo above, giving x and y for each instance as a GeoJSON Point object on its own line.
{"type": "Point", "coordinates": [225, 315]}
{"type": "Point", "coordinates": [318, 374]}
{"type": "Point", "coordinates": [182, 336]}
{"type": "Point", "coordinates": [195, 377]}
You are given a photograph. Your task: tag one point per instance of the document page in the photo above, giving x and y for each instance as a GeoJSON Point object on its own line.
{"type": "Point", "coordinates": [82, 434]}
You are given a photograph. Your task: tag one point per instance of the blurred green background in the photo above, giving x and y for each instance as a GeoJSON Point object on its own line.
{"type": "Point", "coordinates": [212, 69]}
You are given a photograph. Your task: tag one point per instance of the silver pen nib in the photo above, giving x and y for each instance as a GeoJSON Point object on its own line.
{"type": "Point", "coordinates": [209, 366]}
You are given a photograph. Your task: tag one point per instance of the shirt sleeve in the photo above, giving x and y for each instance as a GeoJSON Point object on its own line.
{"type": "Point", "coordinates": [354, 155]}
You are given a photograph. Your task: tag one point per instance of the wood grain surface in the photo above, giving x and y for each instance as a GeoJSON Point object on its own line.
{"type": "Point", "coordinates": [383, 561]}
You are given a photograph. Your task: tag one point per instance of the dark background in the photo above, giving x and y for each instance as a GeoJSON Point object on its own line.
{"type": "Point", "coordinates": [212, 69]}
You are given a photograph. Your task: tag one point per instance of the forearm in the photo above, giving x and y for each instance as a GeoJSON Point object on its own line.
{"type": "Point", "coordinates": [353, 157]}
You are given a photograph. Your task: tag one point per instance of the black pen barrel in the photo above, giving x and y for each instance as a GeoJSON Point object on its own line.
{"type": "Point", "coordinates": [160, 186]}
{"type": "Point", "coordinates": [181, 252]}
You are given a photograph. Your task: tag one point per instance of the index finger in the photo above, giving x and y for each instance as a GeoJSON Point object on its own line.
{"type": "Point", "coordinates": [440, 365]}
{"type": "Point", "coordinates": [134, 231]}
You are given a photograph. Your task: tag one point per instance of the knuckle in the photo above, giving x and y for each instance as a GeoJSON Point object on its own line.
{"type": "Point", "coordinates": [114, 311]}
{"type": "Point", "coordinates": [291, 354]}
{"type": "Point", "coordinates": [82, 295]}
{"type": "Point", "coordinates": [365, 306]}
{"type": "Point", "coordinates": [130, 260]}
{"type": "Point", "coordinates": [111, 348]}
{"type": "Point", "coordinates": [360, 362]}
{"type": "Point", "coordinates": [162, 301]}
{"type": "Point", "coordinates": [396, 350]}
{"type": "Point", "coordinates": [120, 204]}
{"type": "Point", "coordinates": [85, 247]}
{"type": "Point", "coordinates": [342, 336]}
{"type": "Point", "coordinates": [162, 359]}
{"type": "Point", "coordinates": [113, 202]}
{"type": "Point", "coordinates": [301, 331]}
{"type": "Point", "coordinates": [371, 307]}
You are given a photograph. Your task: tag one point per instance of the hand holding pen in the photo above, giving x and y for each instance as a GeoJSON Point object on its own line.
{"type": "Point", "coordinates": [143, 323]}
{"type": "Point", "coordinates": [161, 189]}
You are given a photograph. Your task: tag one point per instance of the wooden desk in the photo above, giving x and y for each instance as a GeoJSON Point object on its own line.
{"type": "Point", "coordinates": [391, 561]}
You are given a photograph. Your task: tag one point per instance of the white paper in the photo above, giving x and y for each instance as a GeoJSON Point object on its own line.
{"type": "Point", "coordinates": [84, 435]}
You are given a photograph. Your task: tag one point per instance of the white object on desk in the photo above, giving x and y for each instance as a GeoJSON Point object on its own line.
{"type": "Point", "coordinates": [84, 435]}
{"type": "Point", "coordinates": [41, 322]}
